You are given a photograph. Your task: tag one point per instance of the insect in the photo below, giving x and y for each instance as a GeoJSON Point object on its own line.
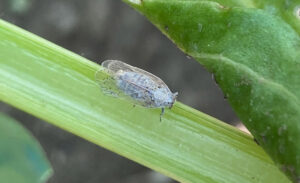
{"type": "Point", "coordinates": [139, 86]}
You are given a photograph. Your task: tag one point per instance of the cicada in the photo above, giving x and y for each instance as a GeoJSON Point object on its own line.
{"type": "Point", "coordinates": [139, 86]}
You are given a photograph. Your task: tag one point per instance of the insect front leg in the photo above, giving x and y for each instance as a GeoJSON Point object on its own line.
{"type": "Point", "coordinates": [162, 112]}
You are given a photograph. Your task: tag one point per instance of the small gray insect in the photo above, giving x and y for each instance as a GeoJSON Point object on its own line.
{"type": "Point", "coordinates": [137, 85]}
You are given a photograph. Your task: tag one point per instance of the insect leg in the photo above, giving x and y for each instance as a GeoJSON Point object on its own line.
{"type": "Point", "coordinates": [162, 113]}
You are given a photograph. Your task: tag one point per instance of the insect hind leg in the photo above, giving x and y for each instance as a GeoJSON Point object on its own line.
{"type": "Point", "coordinates": [162, 113]}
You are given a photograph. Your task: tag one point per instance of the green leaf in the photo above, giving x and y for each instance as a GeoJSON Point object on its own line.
{"type": "Point", "coordinates": [22, 159]}
{"type": "Point", "coordinates": [254, 55]}
{"type": "Point", "coordinates": [189, 146]}
{"type": "Point", "coordinates": [289, 10]}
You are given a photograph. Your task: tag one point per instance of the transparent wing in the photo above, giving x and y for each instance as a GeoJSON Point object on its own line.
{"type": "Point", "coordinates": [108, 84]}
{"type": "Point", "coordinates": [115, 66]}
{"type": "Point", "coordinates": [158, 82]}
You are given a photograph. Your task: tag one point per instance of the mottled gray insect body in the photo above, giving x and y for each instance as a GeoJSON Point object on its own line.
{"type": "Point", "coordinates": [143, 88]}
{"type": "Point", "coordinates": [140, 87]}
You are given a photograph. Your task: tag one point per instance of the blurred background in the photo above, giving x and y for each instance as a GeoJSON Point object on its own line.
{"type": "Point", "coordinates": [100, 30]}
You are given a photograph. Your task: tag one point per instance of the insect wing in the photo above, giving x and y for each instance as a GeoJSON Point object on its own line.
{"type": "Point", "coordinates": [115, 66]}
{"type": "Point", "coordinates": [138, 87]}
{"type": "Point", "coordinates": [130, 83]}
{"type": "Point", "coordinates": [157, 82]}
{"type": "Point", "coordinates": [107, 83]}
